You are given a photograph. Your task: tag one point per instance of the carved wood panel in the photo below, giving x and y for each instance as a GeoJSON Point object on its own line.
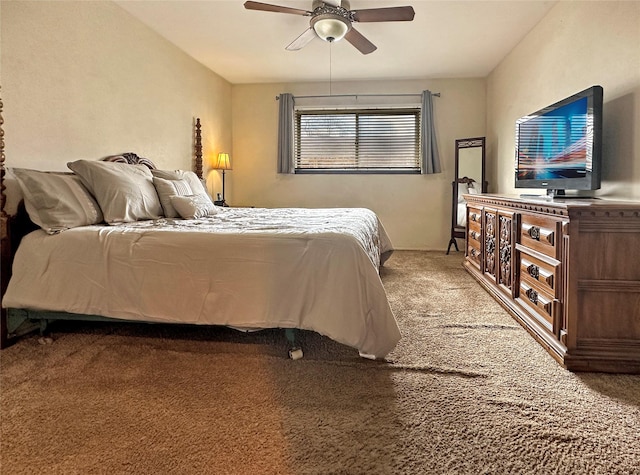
{"type": "Point", "coordinates": [490, 242]}
{"type": "Point", "coordinates": [505, 251]}
{"type": "Point", "coordinates": [130, 158]}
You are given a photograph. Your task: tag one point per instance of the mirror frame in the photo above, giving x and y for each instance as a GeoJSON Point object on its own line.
{"type": "Point", "coordinates": [459, 232]}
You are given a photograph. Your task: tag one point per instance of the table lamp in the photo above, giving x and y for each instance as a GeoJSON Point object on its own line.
{"type": "Point", "coordinates": [223, 163]}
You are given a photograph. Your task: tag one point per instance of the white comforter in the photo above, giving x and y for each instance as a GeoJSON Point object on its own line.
{"type": "Point", "coordinates": [313, 269]}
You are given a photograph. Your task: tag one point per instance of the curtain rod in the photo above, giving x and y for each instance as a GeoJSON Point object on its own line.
{"type": "Point", "coordinates": [437, 94]}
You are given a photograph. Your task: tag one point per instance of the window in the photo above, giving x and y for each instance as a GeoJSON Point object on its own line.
{"type": "Point", "coordinates": [357, 141]}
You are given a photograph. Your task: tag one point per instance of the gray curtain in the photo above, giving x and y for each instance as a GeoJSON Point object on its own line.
{"type": "Point", "coordinates": [285, 133]}
{"type": "Point", "coordinates": [430, 157]}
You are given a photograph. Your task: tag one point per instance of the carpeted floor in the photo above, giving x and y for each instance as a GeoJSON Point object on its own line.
{"type": "Point", "coordinates": [466, 391]}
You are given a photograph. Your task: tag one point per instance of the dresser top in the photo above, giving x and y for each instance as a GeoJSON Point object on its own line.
{"type": "Point", "coordinates": [562, 206]}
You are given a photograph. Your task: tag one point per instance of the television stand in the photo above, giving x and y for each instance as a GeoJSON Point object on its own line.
{"type": "Point", "coordinates": [567, 270]}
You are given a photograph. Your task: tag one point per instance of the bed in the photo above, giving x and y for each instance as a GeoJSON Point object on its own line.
{"type": "Point", "coordinates": [245, 268]}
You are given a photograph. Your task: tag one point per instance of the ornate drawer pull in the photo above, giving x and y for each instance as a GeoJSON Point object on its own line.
{"type": "Point", "coordinates": [532, 295]}
{"type": "Point", "coordinates": [534, 232]}
{"type": "Point", "coordinates": [534, 271]}
{"type": "Point", "coordinates": [474, 235]}
{"type": "Point", "coordinates": [473, 217]}
{"type": "Point", "coordinates": [473, 253]}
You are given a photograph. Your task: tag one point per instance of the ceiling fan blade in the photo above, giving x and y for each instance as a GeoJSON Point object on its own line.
{"type": "Point", "coordinates": [302, 40]}
{"type": "Point", "coordinates": [266, 7]}
{"type": "Point", "coordinates": [360, 42]}
{"type": "Point", "coordinates": [384, 14]}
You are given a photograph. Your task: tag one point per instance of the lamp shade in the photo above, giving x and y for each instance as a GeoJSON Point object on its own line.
{"type": "Point", "coordinates": [330, 27]}
{"type": "Point", "coordinates": [222, 162]}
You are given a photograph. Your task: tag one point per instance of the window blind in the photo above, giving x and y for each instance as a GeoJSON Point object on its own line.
{"type": "Point", "coordinates": [376, 140]}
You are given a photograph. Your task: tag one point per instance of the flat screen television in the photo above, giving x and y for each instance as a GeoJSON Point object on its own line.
{"type": "Point", "coordinates": [559, 147]}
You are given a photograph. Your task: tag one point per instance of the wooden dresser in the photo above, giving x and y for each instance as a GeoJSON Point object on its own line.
{"type": "Point", "coordinates": [567, 270]}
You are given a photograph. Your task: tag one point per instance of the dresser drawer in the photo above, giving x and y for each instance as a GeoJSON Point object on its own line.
{"type": "Point", "coordinates": [541, 303]}
{"type": "Point", "coordinates": [544, 273]}
{"type": "Point", "coordinates": [474, 234]}
{"type": "Point", "coordinates": [473, 252]}
{"type": "Point", "coordinates": [474, 216]}
{"type": "Point", "coordinates": [541, 233]}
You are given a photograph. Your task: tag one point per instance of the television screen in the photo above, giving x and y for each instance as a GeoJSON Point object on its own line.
{"type": "Point", "coordinates": [559, 146]}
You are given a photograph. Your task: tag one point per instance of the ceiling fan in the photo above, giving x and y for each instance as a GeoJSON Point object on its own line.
{"type": "Point", "coordinates": [331, 20]}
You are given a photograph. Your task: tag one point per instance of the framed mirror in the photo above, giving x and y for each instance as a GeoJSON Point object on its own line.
{"type": "Point", "coordinates": [470, 177]}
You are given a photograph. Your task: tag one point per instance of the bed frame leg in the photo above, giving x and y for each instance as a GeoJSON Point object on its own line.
{"type": "Point", "coordinates": [44, 324]}
{"type": "Point", "coordinates": [295, 351]}
{"type": "Point", "coordinates": [19, 324]}
{"type": "Point", "coordinates": [45, 338]}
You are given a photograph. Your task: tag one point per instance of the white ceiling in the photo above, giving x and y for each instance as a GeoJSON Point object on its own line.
{"type": "Point", "coordinates": [447, 39]}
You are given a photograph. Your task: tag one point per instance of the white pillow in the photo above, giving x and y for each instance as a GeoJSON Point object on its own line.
{"type": "Point", "coordinates": [167, 189]}
{"type": "Point", "coordinates": [194, 206]}
{"type": "Point", "coordinates": [194, 182]}
{"type": "Point", "coordinates": [124, 192]}
{"type": "Point", "coordinates": [57, 201]}
{"type": "Point", "coordinates": [474, 188]}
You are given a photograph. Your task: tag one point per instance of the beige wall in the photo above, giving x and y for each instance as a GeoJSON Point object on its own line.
{"type": "Point", "coordinates": [577, 45]}
{"type": "Point", "coordinates": [415, 209]}
{"type": "Point", "coordinates": [86, 79]}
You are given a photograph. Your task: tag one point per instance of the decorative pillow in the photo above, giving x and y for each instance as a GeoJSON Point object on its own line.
{"type": "Point", "coordinates": [194, 206]}
{"type": "Point", "coordinates": [57, 201]}
{"type": "Point", "coordinates": [474, 188]}
{"type": "Point", "coordinates": [124, 192]}
{"type": "Point", "coordinates": [194, 182]}
{"type": "Point", "coordinates": [167, 189]}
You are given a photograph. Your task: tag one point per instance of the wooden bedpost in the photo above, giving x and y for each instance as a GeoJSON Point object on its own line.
{"type": "Point", "coordinates": [198, 149]}
{"type": "Point", "coordinates": [3, 197]}
{"type": "Point", "coordinates": [5, 244]}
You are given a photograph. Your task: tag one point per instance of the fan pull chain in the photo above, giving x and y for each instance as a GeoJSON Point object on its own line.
{"type": "Point", "coordinates": [330, 73]}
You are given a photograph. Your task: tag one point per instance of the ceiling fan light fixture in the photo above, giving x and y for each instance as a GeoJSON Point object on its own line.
{"type": "Point", "coordinates": [331, 21]}
{"type": "Point", "coordinates": [330, 27]}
